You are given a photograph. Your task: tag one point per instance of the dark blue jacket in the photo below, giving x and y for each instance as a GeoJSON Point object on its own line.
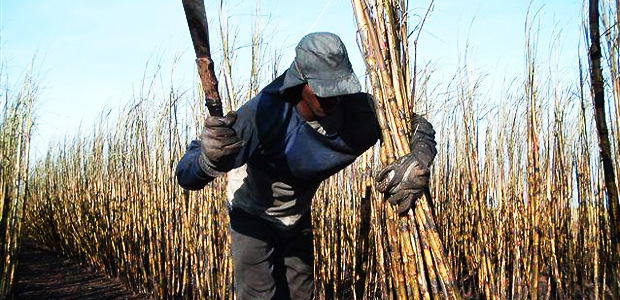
{"type": "Point", "coordinates": [282, 149]}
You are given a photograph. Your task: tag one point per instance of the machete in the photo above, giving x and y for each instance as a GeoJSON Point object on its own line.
{"type": "Point", "coordinates": [199, 30]}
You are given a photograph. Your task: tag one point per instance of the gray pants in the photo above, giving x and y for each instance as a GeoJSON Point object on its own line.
{"type": "Point", "coordinates": [270, 263]}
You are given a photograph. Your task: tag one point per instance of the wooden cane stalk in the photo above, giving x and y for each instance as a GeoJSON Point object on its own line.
{"type": "Point", "coordinates": [597, 90]}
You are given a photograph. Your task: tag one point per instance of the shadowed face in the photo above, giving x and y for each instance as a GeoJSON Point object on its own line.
{"type": "Point", "coordinates": [313, 107]}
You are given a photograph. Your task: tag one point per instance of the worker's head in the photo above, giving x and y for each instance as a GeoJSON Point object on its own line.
{"type": "Point", "coordinates": [322, 62]}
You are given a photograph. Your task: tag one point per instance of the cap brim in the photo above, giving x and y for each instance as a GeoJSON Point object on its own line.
{"type": "Point", "coordinates": [335, 87]}
{"type": "Point", "coordinates": [291, 78]}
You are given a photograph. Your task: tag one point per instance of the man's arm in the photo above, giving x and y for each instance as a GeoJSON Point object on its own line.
{"type": "Point", "coordinates": [189, 173]}
{"type": "Point", "coordinates": [213, 155]}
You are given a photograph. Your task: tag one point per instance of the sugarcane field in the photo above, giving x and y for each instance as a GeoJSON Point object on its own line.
{"type": "Point", "coordinates": [311, 149]}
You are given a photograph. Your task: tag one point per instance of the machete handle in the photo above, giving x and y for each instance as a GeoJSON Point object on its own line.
{"type": "Point", "coordinates": [199, 31]}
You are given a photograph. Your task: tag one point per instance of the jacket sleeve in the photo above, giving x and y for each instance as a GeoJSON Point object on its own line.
{"type": "Point", "coordinates": [189, 174]}
{"type": "Point", "coordinates": [423, 144]}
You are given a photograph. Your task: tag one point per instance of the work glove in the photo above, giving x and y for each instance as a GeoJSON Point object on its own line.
{"type": "Point", "coordinates": [220, 145]}
{"type": "Point", "coordinates": [423, 144]}
{"type": "Point", "coordinates": [405, 180]}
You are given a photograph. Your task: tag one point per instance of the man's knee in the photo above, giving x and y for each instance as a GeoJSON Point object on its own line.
{"type": "Point", "coordinates": [252, 252]}
{"type": "Point", "coordinates": [300, 277]}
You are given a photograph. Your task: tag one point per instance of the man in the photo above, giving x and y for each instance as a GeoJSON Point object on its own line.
{"type": "Point", "coordinates": [305, 126]}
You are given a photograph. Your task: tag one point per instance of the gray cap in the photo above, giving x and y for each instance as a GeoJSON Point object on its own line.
{"type": "Point", "coordinates": [321, 60]}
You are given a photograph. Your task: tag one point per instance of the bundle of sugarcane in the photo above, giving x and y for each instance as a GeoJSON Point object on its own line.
{"type": "Point", "coordinates": [409, 254]}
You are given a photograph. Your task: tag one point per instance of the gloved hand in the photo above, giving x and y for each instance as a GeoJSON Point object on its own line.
{"type": "Point", "coordinates": [220, 145]}
{"type": "Point", "coordinates": [404, 181]}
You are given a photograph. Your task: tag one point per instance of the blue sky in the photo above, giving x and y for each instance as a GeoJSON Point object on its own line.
{"type": "Point", "coordinates": [91, 55]}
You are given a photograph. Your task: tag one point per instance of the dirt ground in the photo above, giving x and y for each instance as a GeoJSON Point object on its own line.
{"type": "Point", "coordinates": [42, 274]}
